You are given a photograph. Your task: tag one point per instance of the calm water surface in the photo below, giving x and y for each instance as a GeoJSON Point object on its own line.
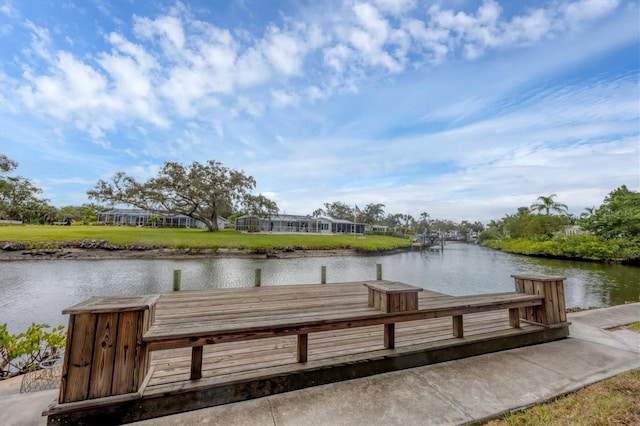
{"type": "Point", "coordinates": [37, 291]}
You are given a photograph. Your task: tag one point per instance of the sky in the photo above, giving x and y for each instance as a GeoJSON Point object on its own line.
{"type": "Point", "coordinates": [462, 109]}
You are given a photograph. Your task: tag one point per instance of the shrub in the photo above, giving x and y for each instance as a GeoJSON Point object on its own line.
{"type": "Point", "coordinates": [23, 352]}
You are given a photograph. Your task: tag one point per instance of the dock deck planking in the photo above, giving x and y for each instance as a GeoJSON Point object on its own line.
{"type": "Point", "coordinates": [229, 363]}
{"type": "Point", "coordinates": [198, 309]}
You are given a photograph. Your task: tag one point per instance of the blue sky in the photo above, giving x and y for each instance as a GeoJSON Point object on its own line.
{"type": "Point", "coordinates": [464, 109]}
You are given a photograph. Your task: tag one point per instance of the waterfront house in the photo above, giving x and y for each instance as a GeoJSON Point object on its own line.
{"type": "Point", "coordinates": [298, 223]}
{"type": "Point", "coordinates": [139, 217]}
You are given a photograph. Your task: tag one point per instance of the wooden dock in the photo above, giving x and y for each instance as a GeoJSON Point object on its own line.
{"type": "Point", "coordinates": [195, 349]}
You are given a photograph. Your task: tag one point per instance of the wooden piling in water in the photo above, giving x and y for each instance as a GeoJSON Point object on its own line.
{"type": "Point", "coordinates": [323, 275]}
{"type": "Point", "coordinates": [258, 278]}
{"type": "Point", "coordinates": [177, 279]}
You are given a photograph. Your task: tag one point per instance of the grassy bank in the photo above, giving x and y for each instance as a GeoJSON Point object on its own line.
{"type": "Point", "coordinates": [43, 236]}
{"type": "Point", "coordinates": [574, 247]}
{"type": "Point", "coordinates": [610, 402]}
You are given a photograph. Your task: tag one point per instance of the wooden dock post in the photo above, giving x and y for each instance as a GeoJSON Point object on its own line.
{"type": "Point", "coordinates": [379, 271]}
{"type": "Point", "coordinates": [177, 279]}
{"type": "Point", "coordinates": [553, 310]}
{"type": "Point", "coordinates": [257, 282]}
{"type": "Point", "coordinates": [323, 275]}
{"type": "Point", "coordinates": [105, 355]}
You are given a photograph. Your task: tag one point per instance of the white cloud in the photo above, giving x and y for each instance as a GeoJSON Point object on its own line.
{"type": "Point", "coordinates": [371, 37]}
{"type": "Point", "coordinates": [528, 28]}
{"type": "Point", "coordinates": [283, 99]}
{"type": "Point", "coordinates": [577, 12]}
{"type": "Point", "coordinates": [199, 65]}
{"type": "Point", "coordinates": [169, 28]}
{"type": "Point", "coordinates": [252, 68]}
{"type": "Point", "coordinates": [40, 41]}
{"type": "Point", "coordinates": [9, 11]}
{"type": "Point", "coordinates": [285, 52]}
{"type": "Point", "coordinates": [254, 109]}
{"type": "Point", "coordinates": [337, 56]}
{"type": "Point", "coordinates": [72, 86]}
{"type": "Point", "coordinates": [395, 7]}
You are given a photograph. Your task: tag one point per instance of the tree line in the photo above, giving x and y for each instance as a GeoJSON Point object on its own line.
{"type": "Point", "coordinates": [200, 191]}
{"type": "Point", "coordinates": [610, 232]}
{"type": "Point", "coordinates": [400, 223]}
{"type": "Point", "coordinates": [207, 191]}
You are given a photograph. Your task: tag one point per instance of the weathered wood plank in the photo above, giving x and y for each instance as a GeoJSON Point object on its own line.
{"type": "Point", "coordinates": [104, 353]}
{"type": "Point", "coordinates": [562, 307]}
{"type": "Point", "coordinates": [196, 363]}
{"type": "Point", "coordinates": [76, 382]}
{"type": "Point", "coordinates": [302, 347]}
{"type": "Point", "coordinates": [67, 362]}
{"type": "Point", "coordinates": [125, 361]}
{"type": "Point", "coordinates": [239, 356]}
{"type": "Point", "coordinates": [107, 304]}
{"type": "Point", "coordinates": [464, 305]}
{"type": "Point", "coordinates": [169, 337]}
{"type": "Point", "coordinates": [514, 318]}
{"type": "Point", "coordinates": [458, 328]}
{"type": "Point", "coordinates": [390, 336]}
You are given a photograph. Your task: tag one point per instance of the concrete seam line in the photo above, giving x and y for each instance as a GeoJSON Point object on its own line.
{"type": "Point", "coordinates": [273, 417]}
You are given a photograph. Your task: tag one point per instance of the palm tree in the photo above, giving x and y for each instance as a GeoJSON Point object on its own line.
{"type": "Point", "coordinates": [375, 211]}
{"type": "Point", "coordinates": [588, 212]}
{"type": "Point", "coordinates": [425, 221]}
{"type": "Point", "coordinates": [547, 204]}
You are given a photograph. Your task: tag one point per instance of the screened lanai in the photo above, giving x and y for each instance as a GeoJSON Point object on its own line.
{"type": "Point", "coordinates": [280, 223]}
{"type": "Point", "coordinates": [297, 223]}
{"type": "Point", "coordinates": [137, 217]}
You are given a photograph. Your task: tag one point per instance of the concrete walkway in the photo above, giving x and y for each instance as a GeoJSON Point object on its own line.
{"type": "Point", "coordinates": [457, 392]}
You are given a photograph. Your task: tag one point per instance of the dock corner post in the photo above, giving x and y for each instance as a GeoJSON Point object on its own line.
{"type": "Point", "coordinates": [323, 275]}
{"type": "Point", "coordinates": [378, 271]}
{"type": "Point", "coordinates": [177, 279]}
{"type": "Point", "coordinates": [105, 354]}
{"type": "Point", "coordinates": [553, 309]}
{"type": "Point", "coordinates": [258, 278]}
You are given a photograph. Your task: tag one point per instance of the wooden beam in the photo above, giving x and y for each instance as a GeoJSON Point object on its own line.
{"type": "Point", "coordinates": [458, 330]}
{"type": "Point", "coordinates": [389, 336]}
{"type": "Point", "coordinates": [514, 317]}
{"type": "Point", "coordinates": [303, 345]}
{"type": "Point", "coordinates": [196, 362]}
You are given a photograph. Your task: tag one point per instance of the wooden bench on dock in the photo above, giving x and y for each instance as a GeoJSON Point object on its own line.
{"type": "Point", "coordinates": [110, 339]}
{"type": "Point", "coordinates": [389, 303]}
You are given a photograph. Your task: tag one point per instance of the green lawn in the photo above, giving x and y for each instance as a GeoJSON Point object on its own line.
{"type": "Point", "coordinates": [40, 236]}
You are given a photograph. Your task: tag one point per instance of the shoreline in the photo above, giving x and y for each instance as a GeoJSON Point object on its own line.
{"type": "Point", "coordinates": [167, 253]}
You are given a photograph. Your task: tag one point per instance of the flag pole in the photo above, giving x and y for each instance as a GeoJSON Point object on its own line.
{"type": "Point", "coordinates": [355, 218]}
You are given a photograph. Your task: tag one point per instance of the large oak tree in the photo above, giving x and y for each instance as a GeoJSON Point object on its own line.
{"type": "Point", "coordinates": [18, 197]}
{"type": "Point", "coordinates": [200, 191]}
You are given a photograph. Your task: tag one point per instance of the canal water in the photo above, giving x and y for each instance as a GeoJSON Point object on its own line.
{"type": "Point", "coordinates": [37, 291]}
